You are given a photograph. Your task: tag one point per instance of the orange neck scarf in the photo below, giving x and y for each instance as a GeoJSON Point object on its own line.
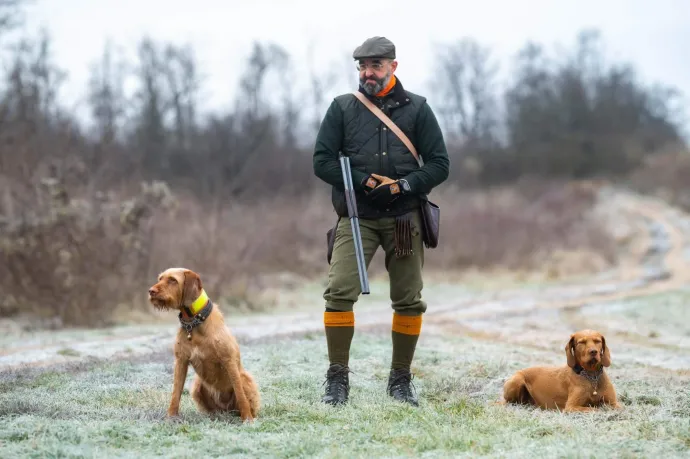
{"type": "Point", "coordinates": [388, 87]}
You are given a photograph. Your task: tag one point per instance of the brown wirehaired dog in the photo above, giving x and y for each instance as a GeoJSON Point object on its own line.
{"type": "Point", "coordinates": [581, 385]}
{"type": "Point", "coordinates": [205, 342]}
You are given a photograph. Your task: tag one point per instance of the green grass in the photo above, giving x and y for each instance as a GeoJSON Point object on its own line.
{"type": "Point", "coordinates": [117, 409]}
{"type": "Point", "coordinates": [659, 316]}
{"type": "Point", "coordinates": [67, 352]}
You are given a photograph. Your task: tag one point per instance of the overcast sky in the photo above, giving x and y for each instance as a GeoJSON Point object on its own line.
{"type": "Point", "coordinates": [653, 34]}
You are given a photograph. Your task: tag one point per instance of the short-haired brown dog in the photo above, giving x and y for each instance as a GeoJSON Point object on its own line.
{"type": "Point", "coordinates": [581, 385]}
{"type": "Point", "coordinates": [204, 342]}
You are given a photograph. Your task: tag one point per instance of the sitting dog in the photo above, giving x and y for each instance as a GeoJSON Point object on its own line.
{"type": "Point", "coordinates": [581, 385]}
{"type": "Point", "coordinates": [204, 341]}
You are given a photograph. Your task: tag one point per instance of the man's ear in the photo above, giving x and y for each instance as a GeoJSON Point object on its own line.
{"type": "Point", "coordinates": [570, 351]}
{"type": "Point", "coordinates": [191, 288]}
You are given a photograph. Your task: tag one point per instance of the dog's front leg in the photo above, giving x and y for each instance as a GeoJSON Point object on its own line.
{"type": "Point", "coordinates": [572, 408]}
{"type": "Point", "coordinates": [609, 398]}
{"type": "Point", "coordinates": [179, 377]}
{"type": "Point", "coordinates": [238, 387]}
{"type": "Point", "coordinates": [577, 401]}
{"type": "Point", "coordinates": [612, 404]}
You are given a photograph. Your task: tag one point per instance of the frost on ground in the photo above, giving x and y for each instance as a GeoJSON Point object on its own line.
{"type": "Point", "coordinates": [116, 408]}
{"type": "Point", "coordinates": [104, 393]}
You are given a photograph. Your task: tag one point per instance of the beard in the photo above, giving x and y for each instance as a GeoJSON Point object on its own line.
{"type": "Point", "coordinates": [374, 88]}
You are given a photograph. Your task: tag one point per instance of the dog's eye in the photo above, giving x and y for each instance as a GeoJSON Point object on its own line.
{"type": "Point", "coordinates": [172, 280]}
{"type": "Point", "coordinates": [597, 341]}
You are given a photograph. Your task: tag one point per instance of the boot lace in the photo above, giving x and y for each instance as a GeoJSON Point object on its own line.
{"type": "Point", "coordinates": [400, 384]}
{"type": "Point", "coordinates": [336, 382]}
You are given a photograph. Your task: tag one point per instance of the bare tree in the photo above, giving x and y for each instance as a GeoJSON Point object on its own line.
{"type": "Point", "coordinates": [467, 87]}
{"type": "Point", "coordinates": [576, 116]}
{"type": "Point", "coordinates": [33, 80]}
{"type": "Point", "coordinates": [323, 79]}
{"type": "Point", "coordinates": [10, 15]}
{"type": "Point", "coordinates": [107, 97]}
{"type": "Point", "coordinates": [183, 84]}
{"type": "Point", "coordinates": [150, 130]}
{"type": "Point", "coordinates": [31, 115]}
{"type": "Point", "coordinates": [254, 115]}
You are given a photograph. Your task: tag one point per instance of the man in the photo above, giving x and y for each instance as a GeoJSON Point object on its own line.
{"type": "Point", "coordinates": [388, 183]}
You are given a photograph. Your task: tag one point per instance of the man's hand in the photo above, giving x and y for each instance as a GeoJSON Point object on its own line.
{"type": "Point", "coordinates": [370, 183]}
{"type": "Point", "coordinates": [383, 180]}
{"type": "Point", "coordinates": [384, 194]}
{"type": "Point", "coordinates": [382, 190]}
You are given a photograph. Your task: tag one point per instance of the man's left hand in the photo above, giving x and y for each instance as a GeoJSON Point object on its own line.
{"type": "Point", "coordinates": [388, 191]}
{"type": "Point", "coordinates": [383, 195]}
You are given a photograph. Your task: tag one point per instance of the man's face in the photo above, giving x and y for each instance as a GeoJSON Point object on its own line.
{"type": "Point", "coordinates": [374, 74]}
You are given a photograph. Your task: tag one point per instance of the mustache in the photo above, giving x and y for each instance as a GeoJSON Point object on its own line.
{"type": "Point", "coordinates": [364, 79]}
{"type": "Point", "coordinates": [374, 84]}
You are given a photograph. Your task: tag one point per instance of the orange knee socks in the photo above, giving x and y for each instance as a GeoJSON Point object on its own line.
{"type": "Point", "coordinates": [340, 328]}
{"type": "Point", "coordinates": [405, 333]}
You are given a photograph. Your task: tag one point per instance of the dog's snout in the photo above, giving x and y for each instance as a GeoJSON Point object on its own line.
{"type": "Point", "coordinates": [152, 291]}
{"type": "Point", "coordinates": [593, 352]}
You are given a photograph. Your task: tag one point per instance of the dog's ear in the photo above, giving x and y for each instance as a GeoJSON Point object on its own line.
{"type": "Point", "coordinates": [570, 351]}
{"type": "Point", "coordinates": [605, 353]}
{"type": "Point", "coordinates": [191, 287]}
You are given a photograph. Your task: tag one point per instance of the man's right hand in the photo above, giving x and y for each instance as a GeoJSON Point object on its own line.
{"type": "Point", "coordinates": [373, 181]}
{"type": "Point", "coordinates": [385, 193]}
{"type": "Point", "coordinates": [383, 180]}
{"type": "Point", "coordinates": [370, 183]}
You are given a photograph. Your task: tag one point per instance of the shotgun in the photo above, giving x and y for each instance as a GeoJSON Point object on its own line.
{"type": "Point", "coordinates": [354, 222]}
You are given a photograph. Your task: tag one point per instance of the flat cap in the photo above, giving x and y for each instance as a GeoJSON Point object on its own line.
{"type": "Point", "coordinates": [375, 47]}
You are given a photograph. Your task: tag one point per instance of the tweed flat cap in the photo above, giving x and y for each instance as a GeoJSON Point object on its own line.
{"type": "Point", "coordinates": [375, 47]}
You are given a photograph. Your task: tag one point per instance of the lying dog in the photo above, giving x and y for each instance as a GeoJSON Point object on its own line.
{"type": "Point", "coordinates": [582, 385]}
{"type": "Point", "coordinates": [204, 341]}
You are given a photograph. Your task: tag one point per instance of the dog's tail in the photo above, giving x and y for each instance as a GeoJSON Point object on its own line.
{"type": "Point", "coordinates": [515, 390]}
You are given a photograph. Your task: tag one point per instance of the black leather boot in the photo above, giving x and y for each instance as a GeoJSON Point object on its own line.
{"type": "Point", "coordinates": [337, 385]}
{"type": "Point", "coordinates": [400, 386]}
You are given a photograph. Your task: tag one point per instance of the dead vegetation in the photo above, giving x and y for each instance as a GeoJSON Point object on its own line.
{"type": "Point", "coordinates": [91, 212]}
{"type": "Point", "coordinates": [665, 176]}
{"type": "Point", "coordinates": [75, 258]}
{"type": "Point", "coordinates": [79, 258]}
{"type": "Point", "coordinates": [522, 227]}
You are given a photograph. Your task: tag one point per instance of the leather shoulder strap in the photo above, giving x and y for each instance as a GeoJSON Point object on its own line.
{"type": "Point", "coordinates": [393, 127]}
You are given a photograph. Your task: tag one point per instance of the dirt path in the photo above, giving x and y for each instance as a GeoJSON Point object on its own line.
{"type": "Point", "coordinates": [513, 316]}
{"type": "Point", "coordinates": [545, 321]}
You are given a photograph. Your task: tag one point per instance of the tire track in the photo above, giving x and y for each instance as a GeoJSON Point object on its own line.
{"type": "Point", "coordinates": [542, 321]}
{"type": "Point", "coordinates": [672, 274]}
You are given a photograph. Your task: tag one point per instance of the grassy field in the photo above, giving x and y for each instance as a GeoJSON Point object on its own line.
{"type": "Point", "coordinates": [117, 408]}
